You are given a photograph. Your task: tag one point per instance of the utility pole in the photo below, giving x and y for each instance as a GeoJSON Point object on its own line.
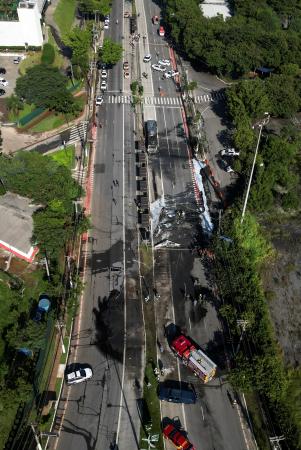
{"type": "Point", "coordinates": [275, 442]}
{"type": "Point", "coordinates": [261, 124]}
{"type": "Point", "coordinates": [243, 324]}
{"type": "Point", "coordinates": [39, 447]}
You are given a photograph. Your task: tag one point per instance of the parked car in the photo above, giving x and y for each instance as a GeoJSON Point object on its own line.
{"type": "Point", "coordinates": [164, 62]}
{"type": "Point", "coordinates": [229, 152]}
{"type": "Point", "coordinates": [161, 31]}
{"type": "Point", "coordinates": [226, 166]}
{"type": "Point", "coordinates": [103, 85]}
{"type": "Point", "coordinates": [78, 376]}
{"type": "Point", "coordinates": [126, 74]}
{"type": "Point", "coordinates": [2, 70]}
{"type": "Point", "coordinates": [101, 66]}
{"type": "Point", "coordinates": [155, 20]}
{"type": "Point", "coordinates": [104, 74]}
{"type": "Point", "coordinates": [99, 100]}
{"type": "Point", "coordinates": [158, 67]}
{"type": "Point", "coordinates": [147, 58]}
{"type": "Point", "coordinates": [3, 82]}
{"type": "Point", "coordinates": [17, 59]}
{"type": "Point", "coordinates": [106, 26]}
{"type": "Point", "coordinates": [2, 92]}
{"type": "Point", "coordinates": [126, 66]}
{"type": "Point", "coordinates": [126, 15]}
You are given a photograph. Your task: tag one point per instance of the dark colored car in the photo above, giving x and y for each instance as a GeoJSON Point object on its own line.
{"type": "Point", "coordinates": [177, 392]}
{"type": "Point", "coordinates": [2, 70]}
{"type": "Point", "coordinates": [2, 92]}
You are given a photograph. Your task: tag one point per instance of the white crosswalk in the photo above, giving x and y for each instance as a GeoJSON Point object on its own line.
{"type": "Point", "coordinates": [165, 101]}
{"type": "Point", "coordinates": [78, 133]}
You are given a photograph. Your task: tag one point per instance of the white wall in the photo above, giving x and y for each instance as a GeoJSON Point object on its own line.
{"type": "Point", "coordinates": [26, 29]}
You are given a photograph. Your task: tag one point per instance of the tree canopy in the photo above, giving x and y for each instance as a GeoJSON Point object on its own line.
{"type": "Point", "coordinates": [90, 6]}
{"type": "Point", "coordinates": [111, 52]}
{"type": "Point", "coordinates": [254, 36]}
{"type": "Point", "coordinates": [45, 86]}
{"type": "Point", "coordinates": [49, 185]}
{"type": "Point", "coordinates": [79, 40]}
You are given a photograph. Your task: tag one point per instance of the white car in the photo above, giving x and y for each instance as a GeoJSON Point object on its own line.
{"type": "Point", "coordinates": [147, 58]}
{"type": "Point", "coordinates": [99, 100]}
{"type": "Point", "coordinates": [103, 85]}
{"type": "Point", "coordinates": [17, 59]}
{"type": "Point", "coordinates": [3, 82]}
{"type": "Point", "coordinates": [164, 62]}
{"type": "Point", "coordinates": [106, 26]}
{"type": "Point", "coordinates": [78, 376]}
{"type": "Point", "coordinates": [229, 152]}
{"type": "Point", "coordinates": [104, 74]}
{"type": "Point", "coordinates": [170, 74]}
{"type": "Point", "coordinates": [158, 67]}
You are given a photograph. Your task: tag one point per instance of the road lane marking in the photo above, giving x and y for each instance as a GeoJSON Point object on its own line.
{"type": "Point", "coordinates": [202, 413]}
{"type": "Point", "coordinates": [124, 262]}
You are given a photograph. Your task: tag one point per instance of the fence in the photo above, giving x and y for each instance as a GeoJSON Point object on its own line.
{"type": "Point", "coordinates": [36, 112]}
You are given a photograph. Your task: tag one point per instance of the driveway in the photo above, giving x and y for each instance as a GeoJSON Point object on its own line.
{"type": "Point", "coordinates": [12, 73]}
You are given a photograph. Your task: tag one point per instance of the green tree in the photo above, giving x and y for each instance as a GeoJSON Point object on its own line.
{"type": "Point", "coordinates": [252, 95]}
{"type": "Point", "coordinates": [111, 52]}
{"type": "Point", "coordinates": [14, 104]}
{"type": "Point", "coordinates": [90, 6]}
{"type": "Point", "coordinates": [45, 86]}
{"type": "Point", "coordinates": [48, 54]}
{"type": "Point", "coordinates": [79, 40]}
{"type": "Point", "coordinates": [284, 95]}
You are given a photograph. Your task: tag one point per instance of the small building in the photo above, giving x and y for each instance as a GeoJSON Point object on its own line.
{"type": "Point", "coordinates": [20, 23]}
{"type": "Point", "coordinates": [16, 226]}
{"type": "Point", "coordinates": [213, 8]}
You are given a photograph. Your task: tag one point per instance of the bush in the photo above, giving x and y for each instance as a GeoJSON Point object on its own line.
{"type": "Point", "coordinates": [48, 55]}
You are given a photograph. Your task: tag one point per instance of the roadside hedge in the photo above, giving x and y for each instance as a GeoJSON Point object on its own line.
{"type": "Point", "coordinates": [48, 54]}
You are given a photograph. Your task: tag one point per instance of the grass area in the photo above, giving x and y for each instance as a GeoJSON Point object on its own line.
{"type": "Point", "coordinates": [48, 123]}
{"type": "Point", "coordinates": [48, 364]}
{"type": "Point", "coordinates": [64, 15]}
{"type": "Point", "coordinates": [53, 121]}
{"type": "Point", "coordinates": [150, 393]}
{"type": "Point", "coordinates": [146, 258]}
{"type": "Point", "coordinates": [65, 157]}
{"type": "Point", "coordinates": [59, 60]}
{"type": "Point", "coordinates": [64, 356]}
{"type": "Point", "coordinates": [26, 110]}
{"type": "Point", "coordinates": [151, 398]}
{"type": "Point", "coordinates": [32, 59]}
{"type": "Point", "coordinates": [258, 424]}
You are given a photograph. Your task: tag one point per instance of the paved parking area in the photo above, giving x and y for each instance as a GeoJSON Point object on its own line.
{"type": "Point", "coordinates": [12, 72]}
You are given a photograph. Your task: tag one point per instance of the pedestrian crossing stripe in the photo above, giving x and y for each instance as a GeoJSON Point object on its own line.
{"type": "Point", "coordinates": [171, 101]}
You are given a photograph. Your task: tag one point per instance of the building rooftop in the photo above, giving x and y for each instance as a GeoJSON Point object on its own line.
{"type": "Point", "coordinates": [213, 8]}
{"type": "Point", "coordinates": [16, 225]}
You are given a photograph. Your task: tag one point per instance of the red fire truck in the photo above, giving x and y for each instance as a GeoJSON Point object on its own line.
{"type": "Point", "coordinates": [177, 438]}
{"type": "Point", "coordinates": [194, 358]}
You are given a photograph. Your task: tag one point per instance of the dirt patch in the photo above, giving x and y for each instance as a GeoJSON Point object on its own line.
{"type": "Point", "coordinates": [282, 281]}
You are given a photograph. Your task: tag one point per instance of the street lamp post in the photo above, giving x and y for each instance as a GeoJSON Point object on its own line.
{"type": "Point", "coordinates": [261, 124]}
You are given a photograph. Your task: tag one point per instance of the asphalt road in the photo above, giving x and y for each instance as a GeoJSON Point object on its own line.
{"type": "Point", "coordinates": [102, 412]}
{"type": "Point", "coordinates": [212, 423]}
